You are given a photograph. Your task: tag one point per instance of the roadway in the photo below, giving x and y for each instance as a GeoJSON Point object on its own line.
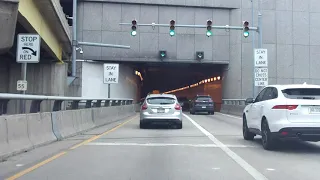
{"type": "Point", "coordinates": [208, 147]}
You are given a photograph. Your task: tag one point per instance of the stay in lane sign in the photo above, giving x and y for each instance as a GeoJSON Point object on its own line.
{"type": "Point", "coordinates": [110, 73]}
{"type": "Point", "coordinates": [261, 77]}
{"type": "Point", "coordinates": [261, 57]}
{"type": "Point", "coordinates": [28, 50]}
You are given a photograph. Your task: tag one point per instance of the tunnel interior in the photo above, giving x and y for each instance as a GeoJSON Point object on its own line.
{"type": "Point", "coordinates": [182, 79]}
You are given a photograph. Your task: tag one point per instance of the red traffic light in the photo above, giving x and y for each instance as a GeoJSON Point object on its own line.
{"type": "Point", "coordinates": [245, 23]}
{"type": "Point", "coordinates": [134, 22]}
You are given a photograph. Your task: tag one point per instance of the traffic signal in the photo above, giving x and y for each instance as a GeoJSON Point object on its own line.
{"type": "Point", "coordinates": [162, 54]}
{"type": "Point", "coordinates": [209, 24]}
{"type": "Point", "coordinates": [134, 28]}
{"type": "Point", "coordinates": [172, 23]}
{"type": "Point", "coordinates": [199, 55]}
{"type": "Point", "coordinates": [246, 29]}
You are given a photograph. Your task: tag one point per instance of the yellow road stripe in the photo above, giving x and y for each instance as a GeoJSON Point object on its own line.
{"type": "Point", "coordinates": [35, 166]}
{"type": "Point", "coordinates": [26, 171]}
{"type": "Point", "coordinates": [98, 136]}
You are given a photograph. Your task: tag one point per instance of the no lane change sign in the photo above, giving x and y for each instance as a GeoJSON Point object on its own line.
{"type": "Point", "coordinates": [28, 50]}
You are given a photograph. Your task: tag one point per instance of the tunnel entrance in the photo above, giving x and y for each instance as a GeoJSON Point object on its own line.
{"type": "Point", "coordinates": [182, 79]}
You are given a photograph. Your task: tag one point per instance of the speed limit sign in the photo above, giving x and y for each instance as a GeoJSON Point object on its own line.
{"type": "Point", "coordinates": [22, 85]}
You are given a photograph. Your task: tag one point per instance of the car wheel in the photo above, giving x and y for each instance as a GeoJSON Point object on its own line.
{"type": "Point", "coordinates": [179, 126]}
{"type": "Point", "coordinates": [212, 113]}
{"type": "Point", "coordinates": [191, 111]}
{"type": "Point", "coordinates": [247, 135]}
{"type": "Point", "coordinates": [267, 140]}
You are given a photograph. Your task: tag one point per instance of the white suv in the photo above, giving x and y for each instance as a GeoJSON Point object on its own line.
{"type": "Point", "coordinates": [282, 112]}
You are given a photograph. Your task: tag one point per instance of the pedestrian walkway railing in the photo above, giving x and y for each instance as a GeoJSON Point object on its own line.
{"type": "Point", "coordinates": [233, 101]}
{"type": "Point", "coordinates": [70, 103]}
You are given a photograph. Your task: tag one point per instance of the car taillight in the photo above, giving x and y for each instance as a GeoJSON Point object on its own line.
{"type": "Point", "coordinates": [177, 107]}
{"type": "Point", "coordinates": [288, 107]}
{"type": "Point", "coordinates": [144, 107]}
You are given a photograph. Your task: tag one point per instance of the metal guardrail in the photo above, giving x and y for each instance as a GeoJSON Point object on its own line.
{"type": "Point", "coordinates": [234, 101]}
{"type": "Point", "coordinates": [58, 100]}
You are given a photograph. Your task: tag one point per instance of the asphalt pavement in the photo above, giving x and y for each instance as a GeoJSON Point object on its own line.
{"type": "Point", "coordinates": [208, 147]}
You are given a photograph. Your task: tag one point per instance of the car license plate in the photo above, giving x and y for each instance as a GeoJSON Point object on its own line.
{"type": "Point", "coordinates": [314, 110]}
{"type": "Point", "coordinates": [203, 106]}
{"type": "Point", "coordinates": [160, 111]}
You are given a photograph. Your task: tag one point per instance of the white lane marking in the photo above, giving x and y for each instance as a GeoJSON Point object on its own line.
{"type": "Point", "coordinates": [270, 169]}
{"type": "Point", "coordinates": [236, 117]}
{"type": "Point", "coordinates": [161, 144]}
{"type": "Point", "coordinates": [216, 168]}
{"type": "Point", "coordinates": [246, 166]}
{"type": "Point", "coordinates": [19, 165]}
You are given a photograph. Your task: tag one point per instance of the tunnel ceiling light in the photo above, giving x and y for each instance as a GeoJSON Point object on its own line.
{"type": "Point", "coordinates": [218, 77]}
{"type": "Point", "coordinates": [214, 78]}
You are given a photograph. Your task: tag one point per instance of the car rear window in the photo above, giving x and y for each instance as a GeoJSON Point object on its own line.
{"type": "Point", "coordinates": [161, 100]}
{"type": "Point", "coordinates": [302, 93]}
{"type": "Point", "coordinates": [204, 98]}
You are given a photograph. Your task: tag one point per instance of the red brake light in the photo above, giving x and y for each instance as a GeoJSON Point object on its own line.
{"type": "Point", "coordinates": [177, 107]}
{"type": "Point", "coordinates": [144, 107]}
{"type": "Point", "coordinates": [288, 107]}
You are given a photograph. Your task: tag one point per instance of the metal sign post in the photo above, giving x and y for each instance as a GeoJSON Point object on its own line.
{"type": "Point", "coordinates": [110, 75]}
{"type": "Point", "coordinates": [28, 51]}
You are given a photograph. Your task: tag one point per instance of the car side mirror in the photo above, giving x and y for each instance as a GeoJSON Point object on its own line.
{"type": "Point", "coordinates": [249, 101]}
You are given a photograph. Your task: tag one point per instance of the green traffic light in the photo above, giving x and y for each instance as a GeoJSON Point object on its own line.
{"type": "Point", "coordinates": [246, 34]}
{"type": "Point", "coordinates": [171, 32]}
{"type": "Point", "coordinates": [209, 33]}
{"type": "Point", "coordinates": [133, 33]}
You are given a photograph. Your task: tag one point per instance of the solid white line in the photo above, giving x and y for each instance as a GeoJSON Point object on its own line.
{"type": "Point", "coordinates": [246, 166]}
{"type": "Point", "coordinates": [160, 144]}
{"type": "Point", "coordinates": [236, 117]}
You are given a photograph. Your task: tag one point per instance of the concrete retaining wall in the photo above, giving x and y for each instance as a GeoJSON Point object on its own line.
{"type": "Point", "coordinates": [23, 132]}
{"type": "Point", "coordinates": [236, 110]}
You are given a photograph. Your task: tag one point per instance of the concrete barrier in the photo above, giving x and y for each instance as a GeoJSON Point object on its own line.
{"type": "Point", "coordinates": [19, 133]}
{"type": "Point", "coordinates": [4, 144]}
{"type": "Point", "coordinates": [40, 129]}
{"type": "Point", "coordinates": [18, 137]}
{"type": "Point", "coordinates": [236, 110]}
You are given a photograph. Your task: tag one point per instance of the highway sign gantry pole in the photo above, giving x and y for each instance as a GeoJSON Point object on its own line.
{"type": "Point", "coordinates": [226, 27]}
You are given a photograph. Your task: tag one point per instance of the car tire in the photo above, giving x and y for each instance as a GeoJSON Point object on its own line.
{"type": "Point", "coordinates": [212, 113]}
{"type": "Point", "coordinates": [247, 135]}
{"type": "Point", "coordinates": [179, 126]}
{"type": "Point", "coordinates": [191, 112]}
{"type": "Point", "coordinates": [268, 143]}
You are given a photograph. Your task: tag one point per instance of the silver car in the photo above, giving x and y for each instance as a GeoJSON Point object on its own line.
{"type": "Point", "coordinates": [161, 109]}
